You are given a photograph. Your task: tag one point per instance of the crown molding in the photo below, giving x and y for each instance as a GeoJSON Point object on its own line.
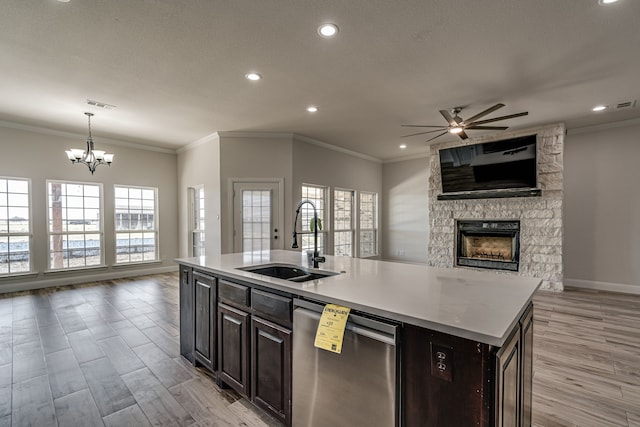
{"type": "Point", "coordinates": [406, 158]}
{"type": "Point", "coordinates": [290, 136]}
{"type": "Point", "coordinates": [213, 137]}
{"type": "Point", "coordinates": [240, 134]}
{"type": "Point", "coordinates": [308, 140]}
{"type": "Point", "coordinates": [73, 135]}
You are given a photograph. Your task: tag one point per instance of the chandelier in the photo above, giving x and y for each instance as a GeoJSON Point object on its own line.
{"type": "Point", "coordinates": [90, 157]}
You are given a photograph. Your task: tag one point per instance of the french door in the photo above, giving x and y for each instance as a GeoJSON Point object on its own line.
{"type": "Point", "coordinates": [257, 216]}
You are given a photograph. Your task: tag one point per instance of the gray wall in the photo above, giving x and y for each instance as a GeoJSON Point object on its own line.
{"type": "Point", "coordinates": [40, 155]}
{"type": "Point", "coordinates": [602, 207]}
{"type": "Point", "coordinates": [199, 165]}
{"type": "Point", "coordinates": [405, 210]}
{"type": "Point", "coordinates": [247, 156]}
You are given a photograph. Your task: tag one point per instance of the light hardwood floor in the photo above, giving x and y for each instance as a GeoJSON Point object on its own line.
{"type": "Point", "coordinates": [107, 353]}
{"type": "Point", "coordinates": [586, 359]}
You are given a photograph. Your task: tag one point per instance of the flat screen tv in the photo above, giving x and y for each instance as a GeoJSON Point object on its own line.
{"type": "Point", "coordinates": [490, 169]}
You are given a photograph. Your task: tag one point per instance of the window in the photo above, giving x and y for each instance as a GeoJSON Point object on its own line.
{"type": "Point", "coordinates": [368, 224]}
{"type": "Point", "coordinates": [343, 222]}
{"type": "Point", "coordinates": [197, 221]}
{"type": "Point", "coordinates": [318, 195]}
{"type": "Point", "coordinates": [256, 220]}
{"type": "Point", "coordinates": [74, 225]}
{"type": "Point", "coordinates": [136, 220]}
{"type": "Point", "coordinates": [15, 226]}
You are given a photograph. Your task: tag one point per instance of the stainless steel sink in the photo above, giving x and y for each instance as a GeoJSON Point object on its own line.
{"type": "Point", "coordinates": [290, 272]}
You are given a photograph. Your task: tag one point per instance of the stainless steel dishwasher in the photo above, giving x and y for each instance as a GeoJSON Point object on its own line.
{"type": "Point", "coordinates": [357, 387]}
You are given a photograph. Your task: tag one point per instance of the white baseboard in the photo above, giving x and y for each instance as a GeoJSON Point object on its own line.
{"type": "Point", "coordinates": [84, 278]}
{"type": "Point", "coordinates": [602, 286]}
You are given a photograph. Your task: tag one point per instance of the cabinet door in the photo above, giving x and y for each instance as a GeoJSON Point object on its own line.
{"type": "Point", "coordinates": [233, 348]}
{"type": "Point", "coordinates": [271, 368]}
{"type": "Point", "coordinates": [527, 367]}
{"type": "Point", "coordinates": [508, 397]}
{"type": "Point", "coordinates": [186, 314]}
{"type": "Point", "coordinates": [205, 309]}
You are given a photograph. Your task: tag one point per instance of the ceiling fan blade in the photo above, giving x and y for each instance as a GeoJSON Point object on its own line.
{"type": "Point", "coordinates": [422, 133]}
{"type": "Point", "coordinates": [422, 126]}
{"type": "Point", "coordinates": [496, 119]}
{"type": "Point", "coordinates": [437, 136]}
{"type": "Point", "coordinates": [462, 135]}
{"type": "Point", "coordinates": [448, 118]}
{"type": "Point", "coordinates": [487, 127]}
{"type": "Point", "coordinates": [484, 113]}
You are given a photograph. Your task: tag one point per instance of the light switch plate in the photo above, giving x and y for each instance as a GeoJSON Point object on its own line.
{"type": "Point", "coordinates": [442, 361]}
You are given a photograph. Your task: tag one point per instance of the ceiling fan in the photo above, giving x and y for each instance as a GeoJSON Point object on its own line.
{"type": "Point", "coordinates": [457, 125]}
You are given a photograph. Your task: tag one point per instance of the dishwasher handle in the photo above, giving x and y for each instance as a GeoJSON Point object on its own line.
{"type": "Point", "coordinates": [353, 326]}
{"type": "Point", "coordinates": [370, 333]}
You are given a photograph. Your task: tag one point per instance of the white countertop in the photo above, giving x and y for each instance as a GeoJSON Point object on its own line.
{"type": "Point", "coordinates": [478, 305]}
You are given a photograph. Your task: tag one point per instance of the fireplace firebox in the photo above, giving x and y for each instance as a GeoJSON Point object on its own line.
{"type": "Point", "coordinates": [488, 244]}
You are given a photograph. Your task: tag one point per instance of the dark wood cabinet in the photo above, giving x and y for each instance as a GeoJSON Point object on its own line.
{"type": "Point", "coordinates": [447, 389]}
{"type": "Point", "coordinates": [233, 348]}
{"type": "Point", "coordinates": [443, 373]}
{"type": "Point", "coordinates": [205, 319]}
{"type": "Point", "coordinates": [526, 329]}
{"type": "Point", "coordinates": [514, 376]}
{"type": "Point", "coordinates": [271, 368]}
{"type": "Point", "coordinates": [186, 314]}
{"type": "Point", "coordinates": [508, 382]}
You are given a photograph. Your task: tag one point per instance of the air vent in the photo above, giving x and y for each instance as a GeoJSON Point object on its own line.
{"type": "Point", "coordinates": [100, 104]}
{"type": "Point", "coordinates": [625, 105]}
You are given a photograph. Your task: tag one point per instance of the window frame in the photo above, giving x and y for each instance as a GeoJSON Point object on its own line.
{"type": "Point", "coordinates": [306, 239]}
{"type": "Point", "coordinates": [28, 234]}
{"type": "Point", "coordinates": [99, 232]}
{"type": "Point", "coordinates": [352, 222]}
{"type": "Point", "coordinates": [196, 208]}
{"type": "Point", "coordinates": [374, 230]}
{"type": "Point", "coordinates": [155, 230]}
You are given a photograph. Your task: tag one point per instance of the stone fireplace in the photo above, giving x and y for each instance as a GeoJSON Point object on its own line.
{"type": "Point", "coordinates": [488, 244]}
{"type": "Point", "coordinates": [539, 246]}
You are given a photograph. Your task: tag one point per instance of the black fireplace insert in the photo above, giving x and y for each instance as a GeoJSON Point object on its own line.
{"type": "Point", "coordinates": [488, 244]}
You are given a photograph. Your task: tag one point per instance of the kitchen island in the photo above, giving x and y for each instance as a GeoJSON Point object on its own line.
{"type": "Point", "coordinates": [463, 348]}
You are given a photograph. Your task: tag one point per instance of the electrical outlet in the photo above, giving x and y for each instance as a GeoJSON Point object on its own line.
{"type": "Point", "coordinates": [442, 362]}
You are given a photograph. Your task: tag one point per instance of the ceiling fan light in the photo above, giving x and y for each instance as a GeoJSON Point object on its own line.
{"type": "Point", "coordinates": [455, 130]}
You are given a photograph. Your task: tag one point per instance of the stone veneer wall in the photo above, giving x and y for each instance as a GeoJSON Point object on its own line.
{"type": "Point", "coordinates": [541, 229]}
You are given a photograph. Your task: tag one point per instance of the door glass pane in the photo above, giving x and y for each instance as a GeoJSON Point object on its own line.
{"type": "Point", "coordinates": [256, 220]}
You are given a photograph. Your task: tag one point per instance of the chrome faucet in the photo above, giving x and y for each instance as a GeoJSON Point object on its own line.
{"type": "Point", "coordinates": [316, 255]}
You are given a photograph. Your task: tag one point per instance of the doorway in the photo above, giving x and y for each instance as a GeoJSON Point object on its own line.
{"type": "Point", "coordinates": [257, 215]}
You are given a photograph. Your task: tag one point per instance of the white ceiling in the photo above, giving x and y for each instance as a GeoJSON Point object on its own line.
{"type": "Point", "coordinates": [175, 68]}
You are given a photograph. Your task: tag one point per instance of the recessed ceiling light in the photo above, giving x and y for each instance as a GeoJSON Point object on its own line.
{"type": "Point", "coordinates": [604, 2]}
{"type": "Point", "coordinates": [64, 1]}
{"type": "Point", "coordinates": [312, 109]}
{"type": "Point", "coordinates": [253, 76]}
{"type": "Point", "coordinates": [403, 146]}
{"type": "Point", "coordinates": [328, 30]}
{"type": "Point", "coordinates": [599, 108]}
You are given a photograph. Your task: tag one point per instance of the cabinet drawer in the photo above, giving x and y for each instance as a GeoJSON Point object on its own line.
{"type": "Point", "coordinates": [233, 294]}
{"type": "Point", "coordinates": [271, 307]}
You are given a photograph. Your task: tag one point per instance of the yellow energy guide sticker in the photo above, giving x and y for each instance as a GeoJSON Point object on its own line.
{"type": "Point", "coordinates": [331, 328]}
